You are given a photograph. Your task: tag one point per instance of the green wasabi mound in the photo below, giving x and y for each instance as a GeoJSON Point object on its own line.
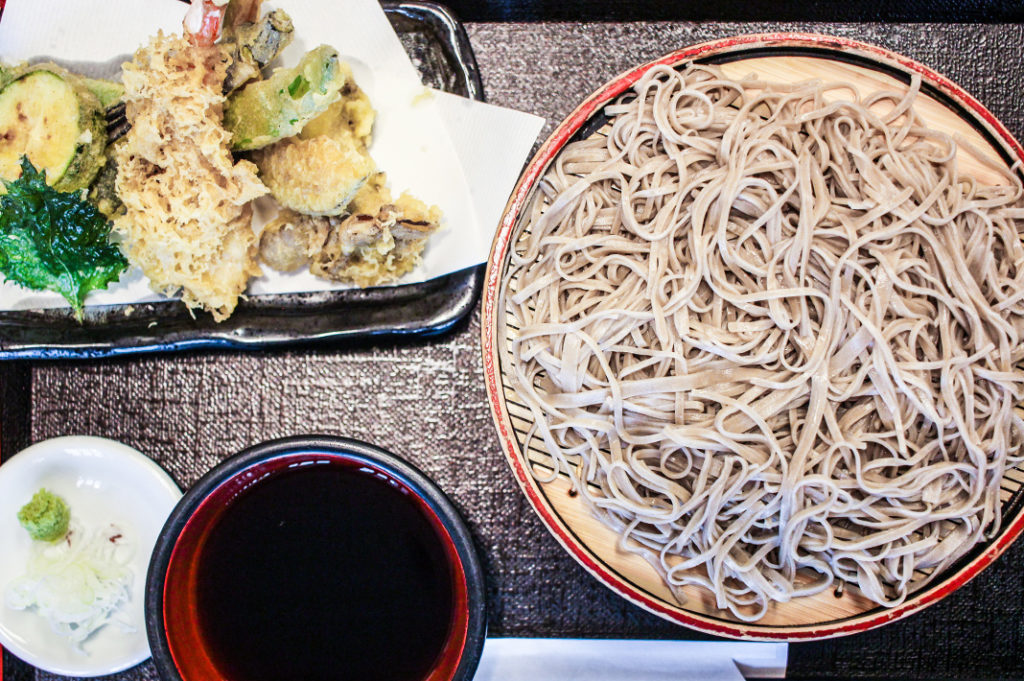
{"type": "Point", "coordinates": [46, 517]}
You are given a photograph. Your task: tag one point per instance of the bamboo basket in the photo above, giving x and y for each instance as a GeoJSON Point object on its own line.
{"type": "Point", "coordinates": [781, 57]}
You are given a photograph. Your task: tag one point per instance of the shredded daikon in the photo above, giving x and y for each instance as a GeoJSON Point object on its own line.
{"type": "Point", "coordinates": [79, 583]}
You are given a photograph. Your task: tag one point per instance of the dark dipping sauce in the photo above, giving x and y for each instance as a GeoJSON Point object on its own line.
{"type": "Point", "coordinates": [325, 571]}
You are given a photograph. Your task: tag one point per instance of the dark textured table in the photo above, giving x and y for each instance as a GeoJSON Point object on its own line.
{"type": "Point", "coordinates": [425, 399]}
{"type": "Point", "coordinates": [950, 11]}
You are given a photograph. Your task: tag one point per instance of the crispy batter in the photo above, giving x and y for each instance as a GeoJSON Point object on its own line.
{"type": "Point", "coordinates": [319, 171]}
{"type": "Point", "coordinates": [188, 221]}
{"type": "Point", "coordinates": [372, 196]}
{"type": "Point", "coordinates": [353, 112]}
{"type": "Point", "coordinates": [378, 243]}
{"type": "Point", "coordinates": [289, 241]}
{"type": "Point", "coordinates": [315, 176]}
{"type": "Point", "coordinates": [340, 217]}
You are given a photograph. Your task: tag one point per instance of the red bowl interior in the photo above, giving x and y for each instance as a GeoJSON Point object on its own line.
{"type": "Point", "coordinates": [189, 651]}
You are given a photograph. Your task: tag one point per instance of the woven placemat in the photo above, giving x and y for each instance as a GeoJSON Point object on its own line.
{"type": "Point", "coordinates": [425, 399]}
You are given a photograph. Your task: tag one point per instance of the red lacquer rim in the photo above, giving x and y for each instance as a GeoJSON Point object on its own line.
{"type": "Point", "coordinates": [499, 252]}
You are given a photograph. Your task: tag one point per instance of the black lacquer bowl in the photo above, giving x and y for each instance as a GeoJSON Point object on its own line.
{"type": "Point", "coordinates": [343, 600]}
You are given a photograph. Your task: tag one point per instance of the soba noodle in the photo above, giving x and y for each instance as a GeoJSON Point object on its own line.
{"type": "Point", "coordinates": [773, 336]}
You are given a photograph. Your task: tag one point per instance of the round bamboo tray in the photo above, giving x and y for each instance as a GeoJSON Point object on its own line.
{"type": "Point", "coordinates": [779, 57]}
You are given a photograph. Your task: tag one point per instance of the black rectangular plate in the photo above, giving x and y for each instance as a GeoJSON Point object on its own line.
{"type": "Point", "coordinates": [440, 49]}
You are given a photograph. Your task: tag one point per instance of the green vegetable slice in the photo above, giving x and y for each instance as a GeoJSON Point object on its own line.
{"type": "Point", "coordinates": [55, 241]}
{"type": "Point", "coordinates": [49, 115]}
{"type": "Point", "coordinates": [268, 110]}
{"type": "Point", "coordinates": [108, 92]}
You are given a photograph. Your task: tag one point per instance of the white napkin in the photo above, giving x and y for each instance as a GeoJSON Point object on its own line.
{"type": "Point", "coordinates": [461, 155]}
{"type": "Point", "coordinates": [532, 659]}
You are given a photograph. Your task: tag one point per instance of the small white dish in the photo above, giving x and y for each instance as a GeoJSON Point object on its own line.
{"type": "Point", "coordinates": [102, 481]}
